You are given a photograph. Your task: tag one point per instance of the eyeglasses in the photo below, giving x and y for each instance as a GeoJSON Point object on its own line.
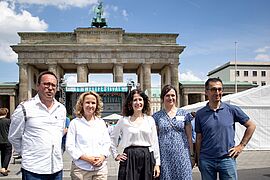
{"type": "Point", "coordinates": [48, 84]}
{"type": "Point", "coordinates": [214, 89]}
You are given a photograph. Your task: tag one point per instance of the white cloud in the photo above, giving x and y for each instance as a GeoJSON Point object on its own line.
{"type": "Point", "coordinates": [263, 50]}
{"type": "Point", "coordinates": [125, 13]}
{"type": "Point", "coordinates": [12, 22]}
{"type": "Point", "coordinates": [263, 54]}
{"type": "Point", "coordinates": [188, 76]}
{"type": "Point", "coordinates": [262, 57]}
{"type": "Point", "coordinates": [61, 4]}
{"type": "Point", "coordinates": [114, 8]}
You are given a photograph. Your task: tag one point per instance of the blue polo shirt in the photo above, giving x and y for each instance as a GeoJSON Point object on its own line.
{"type": "Point", "coordinates": [218, 129]}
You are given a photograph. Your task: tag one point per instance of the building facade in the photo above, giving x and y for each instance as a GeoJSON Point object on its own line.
{"type": "Point", "coordinates": [97, 50]}
{"type": "Point", "coordinates": [194, 91]}
{"type": "Point", "coordinates": [253, 72]}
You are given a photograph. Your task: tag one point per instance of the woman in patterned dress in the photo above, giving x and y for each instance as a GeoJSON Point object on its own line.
{"type": "Point", "coordinates": [175, 138]}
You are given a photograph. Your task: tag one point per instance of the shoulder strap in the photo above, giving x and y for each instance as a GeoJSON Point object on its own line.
{"type": "Point", "coordinates": [24, 112]}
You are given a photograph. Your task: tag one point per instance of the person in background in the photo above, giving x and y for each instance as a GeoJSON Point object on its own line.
{"type": "Point", "coordinates": [138, 137]}
{"type": "Point", "coordinates": [5, 146]}
{"type": "Point", "coordinates": [36, 131]}
{"type": "Point", "coordinates": [215, 132]}
{"type": "Point", "coordinates": [65, 135]}
{"type": "Point", "coordinates": [192, 116]}
{"type": "Point", "coordinates": [175, 138]}
{"type": "Point", "coordinates": [88, 141]}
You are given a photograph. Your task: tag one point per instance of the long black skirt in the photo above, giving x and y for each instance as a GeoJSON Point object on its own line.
{"type": "Point", "coordinates": [139, 164]}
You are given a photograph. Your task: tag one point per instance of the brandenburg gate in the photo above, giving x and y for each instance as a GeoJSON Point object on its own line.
{"type": "Point", "coordinates": [97, 50]}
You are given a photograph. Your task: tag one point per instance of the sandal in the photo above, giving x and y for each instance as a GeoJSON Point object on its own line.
{"type": "Point", "coordinates": [4, 173]}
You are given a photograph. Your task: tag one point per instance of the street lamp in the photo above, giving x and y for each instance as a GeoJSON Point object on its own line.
{"type": "Point", "coordinates": [62, 85]}
{"type": "Point", "coordinates": [235, 66]}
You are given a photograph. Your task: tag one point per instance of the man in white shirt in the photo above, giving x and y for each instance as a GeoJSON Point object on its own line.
{"type": "Point", "coordinates": [36, 131]}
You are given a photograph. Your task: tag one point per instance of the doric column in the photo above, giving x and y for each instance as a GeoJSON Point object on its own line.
{"type": "Point", "coordinates": [11, 104]}
{"type": "Point", "coordinates": [174, 78]}
{"type": "Point", "coordinates": [23, 80]}
{"type": "Point", "coordinates": [185, 99]}
{"type": "Point", "coordinates": [202, 97]}
{"type": "Point", "coordinates": [53, 68]}
{"type": "Point", "coordinates": [118, 73]}
{"type": "Point", "coordinates": [165, 76]}
{"type": "Point", "coordinates": [140, 76]}
{"type": "Point", "coordinates": [147, 79]}
{"type": "Point", "coordinates": [82, 73]}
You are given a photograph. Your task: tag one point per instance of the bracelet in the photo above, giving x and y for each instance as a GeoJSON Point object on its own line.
{"type": "Point", "coordinates": [244, 144]}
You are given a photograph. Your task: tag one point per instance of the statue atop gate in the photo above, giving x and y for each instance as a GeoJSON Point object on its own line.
{"type": "Point", "coordinates": [99, 21]}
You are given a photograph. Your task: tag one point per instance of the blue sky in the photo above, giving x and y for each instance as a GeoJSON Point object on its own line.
{"type": "Point", "coordinates": [208, 29]}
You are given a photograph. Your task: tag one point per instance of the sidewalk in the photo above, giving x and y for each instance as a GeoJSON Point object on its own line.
{"type": "Point", "coordinates": [251, 165]}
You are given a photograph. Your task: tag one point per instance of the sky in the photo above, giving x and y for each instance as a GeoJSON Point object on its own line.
{"type": "Point", "coordinates": [213, 31]}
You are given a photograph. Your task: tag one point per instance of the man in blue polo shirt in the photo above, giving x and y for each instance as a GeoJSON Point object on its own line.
{"type": "Point", "coordinates": [215, 132]}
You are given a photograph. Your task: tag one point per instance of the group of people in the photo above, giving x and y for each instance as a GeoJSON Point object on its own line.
{"type": "Point", "coordinates": [147, 147]}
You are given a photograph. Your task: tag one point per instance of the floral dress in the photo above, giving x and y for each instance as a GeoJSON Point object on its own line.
{"type": "Point", "coordinates": [173, 144]}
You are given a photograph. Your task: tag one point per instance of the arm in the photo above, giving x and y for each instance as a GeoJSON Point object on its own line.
{"type": "Point", "coordinates": [250, 128]}
{"type": "Point", "coordinates": [198, 146]}
{"type": "Point", "coordinates": [74, 152]}
{"type": "Point", "coordinates": [188, 130]}
{"type": "Point", "coordinates": [115, 136]}
{"type": "Point", "coordinates": [155, 146]}
{"type": "Point", "coordinates": [16, 129]}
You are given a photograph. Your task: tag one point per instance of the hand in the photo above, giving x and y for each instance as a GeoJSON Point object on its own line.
{"type": "Point", "coordinates": [121, 157]}
{"type": "Point", "coordinates": [99, 160]}
{"type": "Point", "coordinates": [156, 171]}
{"type": "Point", "coordinates": [235, 151]}
{"type": "Point", "coordinates": [193, 162]}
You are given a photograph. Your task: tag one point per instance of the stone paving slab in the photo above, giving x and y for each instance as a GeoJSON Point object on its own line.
{"type": "Point", "coordinates": [251, 165]}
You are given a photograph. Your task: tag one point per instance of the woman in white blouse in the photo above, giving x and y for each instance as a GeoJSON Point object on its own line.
{"type": "Point", "coordinates": [88, 141]}
{"type": "Point", "coordinates": [136, 133]}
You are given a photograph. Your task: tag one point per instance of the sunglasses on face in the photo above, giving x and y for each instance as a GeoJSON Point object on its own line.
{"type": "Point", "coordinates": [214, 89]}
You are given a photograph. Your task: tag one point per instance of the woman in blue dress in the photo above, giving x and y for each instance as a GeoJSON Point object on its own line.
{"type": "Point", "coordinates": [175, 138]}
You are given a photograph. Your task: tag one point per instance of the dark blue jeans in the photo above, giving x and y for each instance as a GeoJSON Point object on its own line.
{"type": "Point", "coordinates": [27, 175]}
{"type": "Point", "coordinates": [226, 167]}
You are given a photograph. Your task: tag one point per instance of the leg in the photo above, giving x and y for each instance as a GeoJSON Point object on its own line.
{"type": "Point", "coordinates": [208, 169]}
{"type": "Point", "coordinates": [57, 176]}
{"type": "Point", "coordinates": [6, 155]}
{"type": "Point", "coordinates": [101, 174]}
{"type": "Point", "coordinates": [227, 169]}
{"type": "Point", "coordinates": [26, 175]}
{"type": "Point", "coordinates": [76, 173]}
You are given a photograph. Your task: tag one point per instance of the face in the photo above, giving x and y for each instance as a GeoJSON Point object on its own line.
{"type": "Point", "coordinates": [170, 98]}
{"type": "Point", "coordinates": [47, 87]}
{"type": "Point", "coordinates": [137, 103]}
{"type": "Point", "coordinates": [214, 91]}
{"type": "Point", "coordinates": [89, 105]}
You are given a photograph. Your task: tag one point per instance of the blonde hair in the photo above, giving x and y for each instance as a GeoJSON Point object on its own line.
{"type": "Point", "coordinates": [79, 105]}
{"type": "Point", "coordinates": [3, 111]}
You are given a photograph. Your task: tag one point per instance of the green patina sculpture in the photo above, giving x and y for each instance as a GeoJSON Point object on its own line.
{"type": "Point", "coordinates": [99, 21]}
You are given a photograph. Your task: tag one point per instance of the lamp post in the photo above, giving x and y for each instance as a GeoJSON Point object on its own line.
{"type": "Point", "coordinates": [235, 67]}
{"type": "Point", "coordinates": [63, 85]}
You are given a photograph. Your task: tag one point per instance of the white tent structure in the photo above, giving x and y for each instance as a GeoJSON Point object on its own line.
{"type": "Point", "coordinates": [112, 117]}
{"type": "Point", "coordinates": [255, 102]}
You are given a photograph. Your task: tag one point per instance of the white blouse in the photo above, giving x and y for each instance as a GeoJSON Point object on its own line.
{"type": "Point", "coordinates": [126, 134]}
{"type": "Point", "coordinates": [87, 138]}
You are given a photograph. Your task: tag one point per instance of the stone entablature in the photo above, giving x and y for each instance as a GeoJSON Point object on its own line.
{"type": "Point", "coordinates": [96, 36]}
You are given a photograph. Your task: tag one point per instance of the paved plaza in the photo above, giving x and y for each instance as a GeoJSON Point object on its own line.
{"type": "Point", "coordinates": [252, 165]}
